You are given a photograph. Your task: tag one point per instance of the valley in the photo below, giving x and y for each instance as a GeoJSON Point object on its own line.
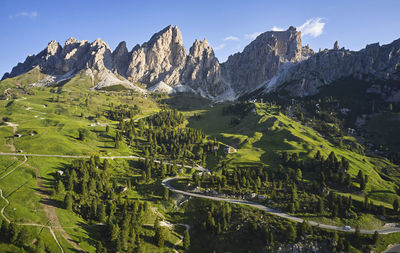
{"type": "Point", "coordinates": [162, 146]}
{"type": "Point", "coordinates": [48, 133]}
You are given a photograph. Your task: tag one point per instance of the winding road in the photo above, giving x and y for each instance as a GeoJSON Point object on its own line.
{"type": "Point", "coordinates": [25, 224]}
{"type": "Point", "coordinates": [166, 183]}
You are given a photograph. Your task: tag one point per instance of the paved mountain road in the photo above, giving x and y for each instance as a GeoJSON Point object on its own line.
{"type": "Point", "coordinates": [166, 183]}
{"type": "Point", "coordinates": [269, 210]}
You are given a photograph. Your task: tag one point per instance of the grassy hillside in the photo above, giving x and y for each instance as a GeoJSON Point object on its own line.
{"type": "Point", "coordinates": [265, 132]}
{"type": "Point", "coordinates": [47, 120]}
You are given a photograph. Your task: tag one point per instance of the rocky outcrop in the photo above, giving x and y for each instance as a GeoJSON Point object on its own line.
{"type": "Point", "coordinates": [73, 54]}
{"type": "Point", "coordinates": [162, 58]}
{"type": "Point", "coordinates": [262, 58]}
{"type": "Point", "coordinates": [48, 60]}
{"type": "Point", "coordinates": [202, 69]}
{"type": "Point", "coordinates": [372, 63]}
{"type": "Point", "coordinates": [120, 58]}
{"type": "Point", "coordinates": [99, 56]}
{"type": "Point", "coordinates": [275, 60]}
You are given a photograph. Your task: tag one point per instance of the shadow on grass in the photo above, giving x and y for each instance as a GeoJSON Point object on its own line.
{"type": "Point", "coordinates": [149, 190]}
{"type": "Point", "coordinates": [52, 202]}
{"type": "Point", "coordinates": [19, 187]}
{"type": "Point", "coordinates": [95, 232]}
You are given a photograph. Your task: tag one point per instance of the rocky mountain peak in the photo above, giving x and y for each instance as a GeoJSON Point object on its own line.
{"type": "Point", "coordinates": [100, 57]}
{"type": "Point", "coordinates": [98, 43]}
{"type": "Point", "coordinates": [120, 58]}
{"type": "Point", "coordinates": [166, 35]}
{"type": "Point", "coordinates": [160, 59]}
{"type": "Point", "coordinates": [121, 48]}
{"type": "Point", "coordinates": [272, 59]}
{"type": "Point", "coordinates": [53, 48]}
{"type": "Point", "coordinates": [372, 63]}
{"type": "Point", "coordinates": [202, 70]}
{"type": "Point", "coordinates": [71, 40]}
{"type": "Point", "coordinates": [261, 59]}
{"type": "Point", "coordinates": [336, 46]}
{"type": "Point", "coordinates": [199, 48]}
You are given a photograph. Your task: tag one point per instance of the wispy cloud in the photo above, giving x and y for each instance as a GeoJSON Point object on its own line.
{"type": "Point", "coordinates": [277, 29]}
{"type": "Point", "coordinates": [219, 47]}
{"type": "Point", "coordinates": [234, 38]}
{"type": "Point", "coordinates": [313, 27]}
{"type": "Point", "coordinates": [252, 35]}
{"type": "Point", "coordinates": [28, 14]}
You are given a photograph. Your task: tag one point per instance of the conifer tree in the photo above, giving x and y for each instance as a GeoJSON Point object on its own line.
{"type": "Point", "coordinates": [186, 240]}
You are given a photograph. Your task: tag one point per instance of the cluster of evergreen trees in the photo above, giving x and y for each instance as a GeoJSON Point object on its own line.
{"type": "Point", "coordinates": [122, 112]}
{"type": "Point", "coordinates": [285, 188]}
{"type": "Point", "coordinates": [90, 193]}
{"type": "Point", "coordinates": [160, 134]}
{"type": "Point", "coordinates": [252, 230]}
{"type": "Point", "coordinates": [19, 236]}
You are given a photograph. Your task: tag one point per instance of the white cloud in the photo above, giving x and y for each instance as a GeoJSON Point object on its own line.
{"type": "Point", "coordinates": [252, 35]}
{"type": "Point", "coordinates": [312, 27]}
{"type": "Point", "coordinates": [231, 38]}
{"type": "Point", "coordinates": [219, 47]}
{"type": "Point", "coordinates": [277, 29]}
{"type": "Point", "coordinates": [32, 14]}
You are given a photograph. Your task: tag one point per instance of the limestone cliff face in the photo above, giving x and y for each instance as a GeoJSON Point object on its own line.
{"type": "Point", "coordinates": [374, 62]}
{"type": "Point", "coordinates": [274, 60]}
{"type": "Point", "coordinates": [262, 58]}
{"type": "Point", "coordinates": [162, 58]}
{"type": "Point", "coordinates": [48, 59]}
{"type": "Point", "coordinates": [121, 58]}
{"type": "Point", "coordinates": [73, 54]}
{"type": "Point", "coordinates": [202, 69]}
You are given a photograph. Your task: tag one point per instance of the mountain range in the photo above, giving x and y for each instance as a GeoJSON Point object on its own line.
{"type": "Point", "coordinates": [274, 61]}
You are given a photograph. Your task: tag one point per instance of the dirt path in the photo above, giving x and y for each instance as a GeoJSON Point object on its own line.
{"type": "Point", "coordinates": [29, 224]}
{"type": "Point", "coordinates": [16, 167]}
{"type": "Point", "coordinates": [14, 127]}
{"type": "Point", "coordinates": [25, 224]}
{"type": "Point", "coordinates": [180, 237]}
{"type": "Point", "coordinates": [50, 211]}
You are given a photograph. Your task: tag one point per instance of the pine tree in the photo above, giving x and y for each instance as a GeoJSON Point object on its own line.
{"type": "Point", "coordinates": [186, 239]}
{"type": "Point", "coordinates": [40, 246]}
{"type": "Point", "coordinates": [101, 212]}
{"type": "Point", "coordinates": [320, 205]}
{"type": "Point", "coordinates": [82, 134]}
{"type": "Point", "coordinates": [13, 232]}
{"type": "Point", "coordinates": [375, 237]}
{"type": "Point", "coordinates": [357, 233]}
{"type": "Point", "coordinates": [68, 201]}
{"type": "Point", "coordinates": [4, 230]}
{"type": "Point", "coordinates": [396, 205]}
{"type": "Point", "coordinates": [290, 233]}
{"type": "Point", "coordinates": [166, 193]}
{"type": "Point", "coordinates": [99, 248]}
{"type": "Point", "coordinates": [158, 234]}
{"type": "Point", "coordinates": [299, 175]}
{"type": "Point", "coordinates": [160, 237]}
{"type": "Point", "coordinates": [60, 189]}
{"type": "Point", "coordinates": [23, 237]}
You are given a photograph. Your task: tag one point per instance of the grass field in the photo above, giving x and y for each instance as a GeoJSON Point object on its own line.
{"type": "Point", "coordinates": [46, 121]}
{"type": "Point", "coordinates": [262, 134]}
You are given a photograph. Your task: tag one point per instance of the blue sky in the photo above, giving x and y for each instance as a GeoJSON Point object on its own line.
{"type": "Point", "coordinates": [27, 26]}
